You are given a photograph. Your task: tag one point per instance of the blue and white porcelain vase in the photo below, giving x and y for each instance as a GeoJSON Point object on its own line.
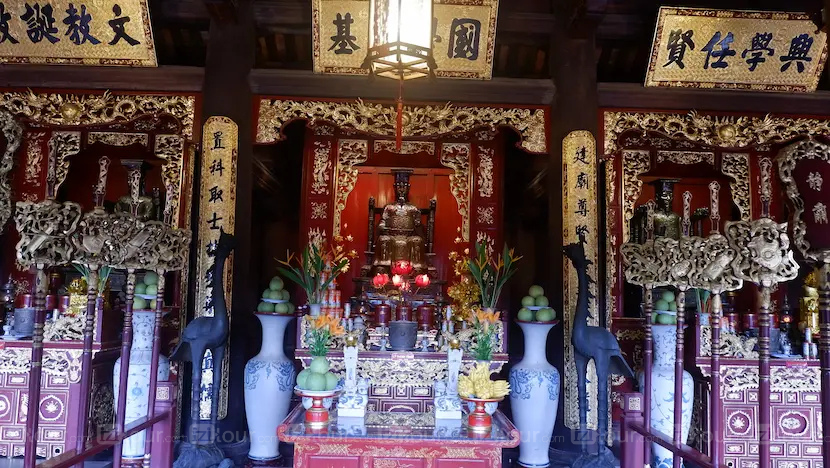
{"type": "Point", "coordinates": [269, 384]}
{"type": "Point", "coordinates": [534, 396]}
{"type": "Point", "coordinates": [662, 392]}
{"type": "Point", "coordinates": [138, 378]}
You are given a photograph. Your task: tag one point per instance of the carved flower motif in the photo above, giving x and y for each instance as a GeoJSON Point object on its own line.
{"type": "Point", "coordinates": [767, 251]}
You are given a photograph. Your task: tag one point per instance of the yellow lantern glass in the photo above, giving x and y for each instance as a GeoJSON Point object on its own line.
{"type": "Point", "coordinates": [400, 39]}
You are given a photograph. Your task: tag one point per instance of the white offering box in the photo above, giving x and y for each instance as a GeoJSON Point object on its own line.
{"type": "Point", "coordinates": [447, 403]}
{"type": "Point", "coordinates": [352, 403]}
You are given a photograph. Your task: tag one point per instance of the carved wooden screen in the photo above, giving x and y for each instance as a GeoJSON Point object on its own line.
{"type": "Point", "coordinates": [341, 170]}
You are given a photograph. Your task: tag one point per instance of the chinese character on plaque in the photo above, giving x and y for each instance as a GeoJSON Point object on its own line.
{"type": "Point", "coordinates": [762, 51]}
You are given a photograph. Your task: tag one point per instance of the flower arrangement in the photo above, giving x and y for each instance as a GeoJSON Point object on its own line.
{"type": "Point", "coordinates": [484, 327]}
{"type": "Point", "coordinates": [321, 330]}
{"type": "Point", "coordinates": [103, 276]}
{"type": "Point", "coordinates": [317, 266]}
{"type": "Point", "coordinates": [477, 384]}
{"type": "Point", "coordinates": [491, 274]}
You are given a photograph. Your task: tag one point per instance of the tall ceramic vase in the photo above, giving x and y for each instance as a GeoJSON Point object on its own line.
{"type": "Point", "coordinates": [138, 378]}
{"type": "Point", "coordinates": [269, 384]}
{"type": "Point", "coordinates": [534, 396]}
{"type": "Point", "coordinates": [662, 392]}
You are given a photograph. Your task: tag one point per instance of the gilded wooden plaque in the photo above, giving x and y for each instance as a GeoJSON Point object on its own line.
{"type": "Point", "coordinates": [66, 32]}
{"type": "Point", "coordinates": [464, 36]}
{"type": "Point", "coordinates": [761, 51]}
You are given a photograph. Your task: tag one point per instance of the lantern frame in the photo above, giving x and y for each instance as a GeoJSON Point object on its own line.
{"type": "Point", "coordinates": [398, 59]}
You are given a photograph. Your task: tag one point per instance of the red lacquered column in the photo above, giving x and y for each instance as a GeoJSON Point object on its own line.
{"type": "Point", "coordinates": [716, 406]}
{"type": "Point", "coordinates": [86, 357]}
{"type": "Point", "coordinates": [677, 434]}
{"type": "Point", "coordinates": [154, 364]}
{"type": "Point", "coordinates": [126, 344]}
{"type": "Point", "coordinates": [648, 358]}
{"type": "Point", "coordinates": [763, 378]}
{"type": "Point", "coordinates": [824, 342]}
{"type": "Point", "coordinates": [33, 415]}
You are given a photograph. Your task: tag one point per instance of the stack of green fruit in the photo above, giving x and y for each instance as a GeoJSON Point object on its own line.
{"type": "Point", "coordinates": [665, 309]}
{"type": "Point", "coordinates": [536, 307]}
{"type": "Point", "coordinates": [317, 376]}
{"type": "Point", "coordinates": [275, 298]}
{"type": "Point", "coordinates": [148, 288]}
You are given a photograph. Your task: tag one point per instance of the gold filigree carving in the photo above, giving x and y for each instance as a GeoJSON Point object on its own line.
{"type": "Point", "coordinates": [764, 254]}
{"type": "Point", "coordinates": [731, 345]}
{"type": "Point", "coordinates": [13, 133]}
{"type": "Point", "coordinates": [787, 160]}
{"type": "Point", "coordinates": [34, 158]}
{"type": "Point", "coordinates": [634, 163]}
{"type": "Point", "coordinates": [629, 334]}
{"type": "Point", "coordinates": [45, 228]}
{"type": "Point", "coordinates": [322, 164]}
{"type": "Point", "coordinates": [118, 138]}
{"type": "Point", "coordinates": [350, 153]}
{"type": "Point", "coordinates": [407, 147]}
{"type": "Point", "coordinates": [96, 109]}
{"type": "Point", "coordinates": [102, 411]}
{"type": "Point", "coordinates": [782, 379]}
{"type": "Point", "coordinates": [319, 210]}
{"type": "Point", "coordinates": [736, 166]}
{"type": "Point", "coordinates": [610, 236]}
{"type": "Point", "coordinates": [686, 157]}
{"type": "Point", "coordinates": [485, 172]}
{"type": "Point", "coordinates": [418, 121]}
{"type": "Point", "coordinates": [416, 373]}
{"type": "Point", "coordinates": [485, 215]}
{"type": "Point", "coordinates": [456, 156]}
{"type": "Point", "coordinates": [62, 146]}
{"type": "Point", "coordinates": [66, 327]}
{"type": "Point", "coordinates": [56, 362]}
{"type": "Point", "coordinates": [722, 131]}
{"type": "Point", "coordinates": [170, 148]}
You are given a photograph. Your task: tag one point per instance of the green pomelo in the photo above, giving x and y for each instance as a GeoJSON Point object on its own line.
{"type": "Point", "coordinates": [153, 304]}
{"type": "Point", "coordinates": [536, 291]}
{"type": "Point", "coordinates": [544, 315]}
{"type": "Point", "coordinates": [266, 294]}
{"type": "Point", "coordinates": [673, 306]}
{"type": "Point", "coordinates": [291, 307]}
{"type": "Point", "coordinates": [281, 308]}
{"type": "Point", "coordinates": [285, 295]}
{"type": "Point", "coordinates": [542, 301]}
{"type": "Point", "coordinates": [528, 301]}
{"type": "Point", "coordinates": [266, 307]}
{"type": "Point", "coordinates": [139, 303]}
{"type": "Point", "coordinates": [315, 382]}
{"type": "Point", "coordinates": [331, 381]}
{"type": "Point", "coordinates": [140, 288]}
{"type": "Point", "coordinates": [302, 378]}
{"type": "Point", "coordinates": [664, 319]}
{"type": "Point", "coordinates": [661, 305]}
{"type": "Point", "coordinates": [319, 365]}
{"type": "Point", "coordinates": [276, 283]}
{"type": "Point", "coordinates": [525, 315]}
{"type": "Point", "coordinates": [668, 296]}
{"type": "Point", "coordinates": [151, 278]}
{"type": "Point", "coordinates": [151, 290]}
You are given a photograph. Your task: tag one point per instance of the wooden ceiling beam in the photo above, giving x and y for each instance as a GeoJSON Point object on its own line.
{"type": "Point", "coordinates": [166, 78]}
{"type": "Point", "coordinates": [307, 84]}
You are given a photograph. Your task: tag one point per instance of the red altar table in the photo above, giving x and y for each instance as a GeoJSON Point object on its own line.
{"type": "Point", "coordinates": [396, 439]}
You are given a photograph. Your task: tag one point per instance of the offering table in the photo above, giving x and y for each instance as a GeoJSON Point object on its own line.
{"type": "Point", "coordinates": [387, 439]}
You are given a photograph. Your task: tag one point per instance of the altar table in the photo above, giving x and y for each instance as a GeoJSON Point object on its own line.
{"type": "Point", "coordinates": [396, 440]}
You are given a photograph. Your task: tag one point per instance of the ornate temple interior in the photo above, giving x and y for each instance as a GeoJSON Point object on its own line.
{"type": "Point", "coordinates": [414, 233]}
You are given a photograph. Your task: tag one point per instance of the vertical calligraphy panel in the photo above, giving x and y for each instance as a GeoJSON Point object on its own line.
{"type": "Point", "coordinates": [580, 206]}
{"type": "Point", "coordinates": [217, 205]}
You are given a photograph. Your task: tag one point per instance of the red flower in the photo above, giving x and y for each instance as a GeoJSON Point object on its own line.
{"type": "Point", "coordinates": [380, 280]}
{"type": "Point", "coordinates": [422, 281]}
{"type": "Point", "coordinates": [397, 280]}
{"type": "Point", "coordinates": [402, 267]}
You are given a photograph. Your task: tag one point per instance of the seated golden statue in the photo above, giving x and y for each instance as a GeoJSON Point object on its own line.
{"type": "Point", "coordinates": [400, 231]}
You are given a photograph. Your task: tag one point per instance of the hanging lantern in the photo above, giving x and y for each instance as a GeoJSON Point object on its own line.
{"type": "Point", "coordinates": [400, 39]}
